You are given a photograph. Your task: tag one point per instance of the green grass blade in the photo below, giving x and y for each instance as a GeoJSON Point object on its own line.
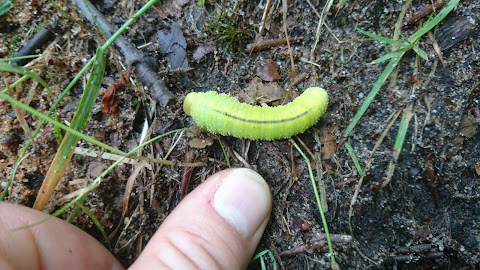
{"type": "Point", "coordinates": [66, 149]}
{"type": "Point", "coordinates": [5, 5]}
{"type": "Point", "coordinates": [376, 87]}
{"type": "Point", "coordinates": [383, 39]}
{"type": "Point", "coordinates": [433, 22]}
{"type": "Point", "coordinates": [391, 55]}
{"type": "Point", "coordinates": [420, 53]}
{"type": "Point", "coordinates": [96, 223]}
{"type": "Point", "coordinates": [223, 149]}
{"type": "Point", "coordinates": [402, 132]}
{"type": "Point", "coordinates": [262, 262]}
{"type": "Point", "coordinates": [319, 204]}
{"type": "Point", "coordinates": [354, 158]}
{"type": "Point", "coordinates": [20, 57]}
{"type": "Point", "coordinates": [25, 72]}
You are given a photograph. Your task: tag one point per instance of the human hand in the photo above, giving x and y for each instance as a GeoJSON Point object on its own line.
{"type": "Point", "coordinates": [217, 226]}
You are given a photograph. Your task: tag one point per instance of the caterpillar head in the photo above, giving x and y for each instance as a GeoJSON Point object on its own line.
{"type": "Point", "coordinates": [188, 102]}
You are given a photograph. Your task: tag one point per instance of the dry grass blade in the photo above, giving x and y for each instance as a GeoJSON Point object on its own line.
{"type": "Point", "coordinates": [128, 191]}
{"type": "Point", "coordinates": [264, 21]}
{"type": "Point", "coordinates": [321, 20]}
{"type": "Point", "coordinates": [19, 113]}
{"type": "Point", "coordinates": [367, 167]}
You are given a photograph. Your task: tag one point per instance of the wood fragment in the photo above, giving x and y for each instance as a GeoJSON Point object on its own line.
{"type": "Point", "coordinates": [187, 172]}
{"type": "Point", "coordinates": [436, 47]}
{"type": "Point", "coordinates": [44, 35]}
{"type": "Point", "coordinates": [429, 9]}
{"type": "Point", "coordinates": [143, 66]}
{"type": "Point", "coordinates": [267, 44]}
{"type": "Point", "coordinates": [177, 71]}
{"type": "Point", "coordinates": [300, 78]}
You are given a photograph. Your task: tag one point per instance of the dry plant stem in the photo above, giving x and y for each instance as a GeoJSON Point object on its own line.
{"type": "Point", "coordinates": [300, 78]}
{"type": "Point", "coordinates": [367, 168]}
{"type": "Point", "coordinates": [186, 173]}
{"type": "Point", "coordinates": [429, 9]}
{"type": "Point", "coordinates": [293, 70]}
{"type": "Point", "coordinates": [436, 48]}
{"type": "Point", "coordinates": [118, 246]}
{"type": "Point", "coordinates": [143, 66]}
{"type": "Point", "coordinates": [325, 11]}
{"type": "Point", "coordinates": [293, 173]}
{"type": "Point", "coordinates": [107, 156]}
{"type": "Point", "coordinates": [178, 71]}
{"type": "Point", "coordinates": [267, 44]}
{"type": "Point", "coordinates": [321, 183]}
{"type": "Point", "coordinates": [19, 112]}
{"type": "Point", "coordinates": [241, 159]}
{"type": "Point", "coordinates": [285, 10]}
{"type": "Point", "coordinates": [317, 241]}
{"type": "Point", "coordinates": [398, 24]}
{"type": "Point", "coordinates": [264, 22]}
{"type": "Point", "coordinates": [407, 116]}
{"type": "Point", "coordinates": [128, 190]}
{"type": "Point", "coordinates": [274, 249]}
{"type": "Point", "coordinates": [396, 34]}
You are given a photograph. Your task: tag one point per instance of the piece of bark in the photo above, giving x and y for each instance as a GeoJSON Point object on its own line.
{"type": "Point", "coordinates": [143, 66]}
{"type": "Point", "coordinates": [44, 35]}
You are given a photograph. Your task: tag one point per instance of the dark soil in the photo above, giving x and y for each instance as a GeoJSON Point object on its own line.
{"type": "Point", "coordinates": [426, 217]}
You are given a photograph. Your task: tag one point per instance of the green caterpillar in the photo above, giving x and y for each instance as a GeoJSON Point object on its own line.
{"type": "Point", "coordinates": [227, 116]}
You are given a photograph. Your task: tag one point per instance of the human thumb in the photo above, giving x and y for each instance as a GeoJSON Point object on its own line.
{"type": "Point", "coordinates": [217, 226]}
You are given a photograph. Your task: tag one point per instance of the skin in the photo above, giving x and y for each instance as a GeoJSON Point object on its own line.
{"type": "Point", "coordinates": [217, 226]}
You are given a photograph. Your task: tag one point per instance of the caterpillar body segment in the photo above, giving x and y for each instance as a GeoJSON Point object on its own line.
{"type": "Point", "coordinates": [219, 113]}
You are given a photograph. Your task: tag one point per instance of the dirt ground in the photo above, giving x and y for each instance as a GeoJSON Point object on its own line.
{"type": "Point", "coordinates": [426, 217]}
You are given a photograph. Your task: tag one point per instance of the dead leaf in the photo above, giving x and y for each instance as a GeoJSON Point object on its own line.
{"type": "Point", "coordinates": [264, 93]}
{"type": "Point", "coordinates": [203, 50]}
{"type": "Point", "coordinates": [431, 177]}
{"type": "Point", "coordinates": [329, 147]}
{"type": "Point", "coordinates": [200, 143]}
{"type": "Point", "coordinates": [109, 105]}
{"type": "Point", "coordinates": [95, 168]}
{"type": "Point", "coordinates": [199, 138]}
{"type": "Point", "coordinates": [173, 44]}
{"type": "Point", "coordinates": [171, 8]}
{"type": "Point", "coordinates": [268, 72]}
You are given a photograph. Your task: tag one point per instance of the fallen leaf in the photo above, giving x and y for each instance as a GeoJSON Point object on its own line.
{"type": "Point", "coordinates": [203, 50]}
{"type": "Point", "coordinates": [264, 92]}
{"type": "Point", "coordinates": [96, 168]}
{"type": "Point", "coordinates": [109, 105]}
{"type": "Point", "coordinates": [171, 8]}
{"type": "Point", "coordinates": [173, 44]}
{"type": "Point", "coordinates": [200, 143]}
{"type": "Point", "coordinates": [108, 100]}
{"type": "Point", "coordinates": [268, 72]}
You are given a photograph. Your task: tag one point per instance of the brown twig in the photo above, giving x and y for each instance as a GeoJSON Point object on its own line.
{"type": "Point", "coordinates": [178, 71]}
{"type": "Point", "coordinates": [267, 44]}
{"type": "Point", "coordinates": [429, 9]}
{"type": "Point", "coordinates": [143, 66]}
{"type": "Point", "coordinates": [187, 172]}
